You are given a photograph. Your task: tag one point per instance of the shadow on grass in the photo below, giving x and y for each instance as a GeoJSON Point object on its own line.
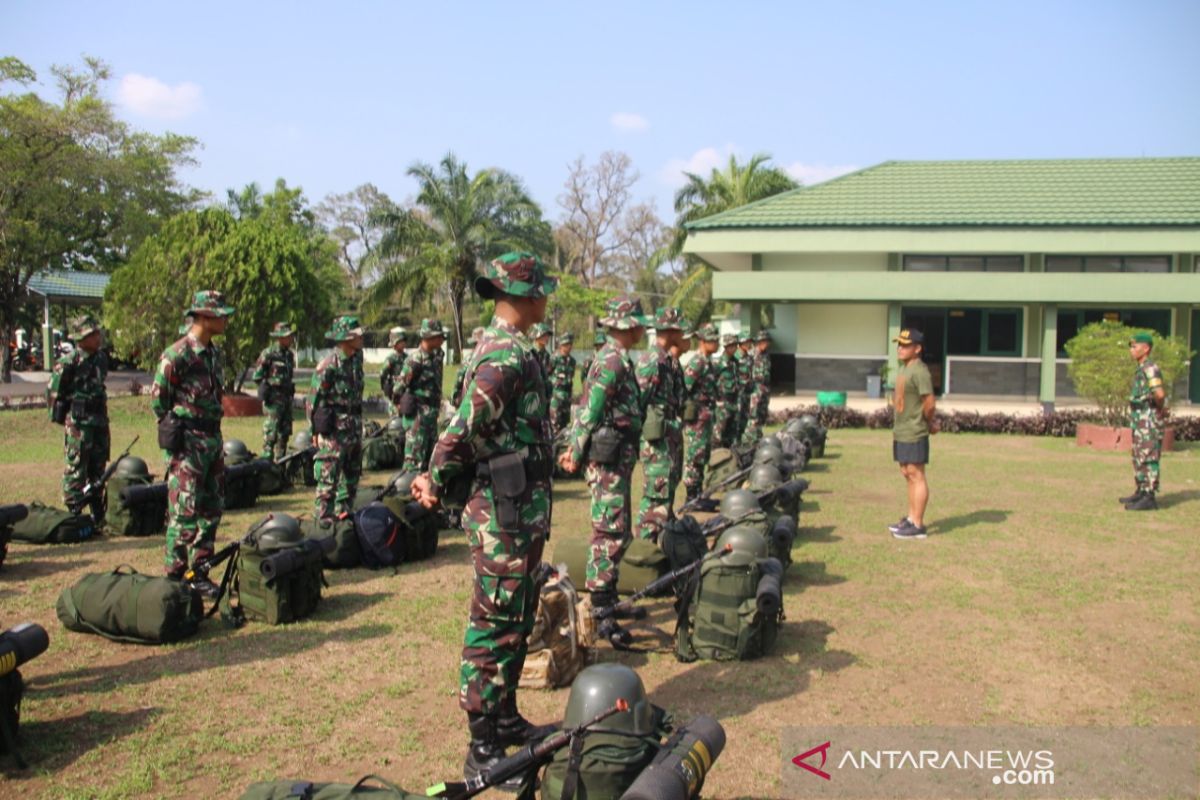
{"type": "Point", "coordinates": [815, 466]}
{"type": "Point", "coordinates": [822, 534]}
{"type": "Point", "coordinates": [53, 744]}
{"type": "Point", "coordinates": [214, 647]}
{"type": "Point", "coordinates": [989, 517]}
{"type": "Point", "coordinates": [810, 573]}
{"type": "Point", "coordinates": [339, 607]}
{"type": "Point", "coordinates": [831, 456]}
{"type": "Point", "coordinates": [1172, 499]}
{"type": "Point", "coordinates": [38, 568]}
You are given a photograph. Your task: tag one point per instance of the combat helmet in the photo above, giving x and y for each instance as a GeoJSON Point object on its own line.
{"type": "Point", "coordinates": [808, 421]}
{"type": "Point", "coordinates": [280, 531]}
{"type": "Point", "coordinates": [746, 546]}
{"type": "Point", "coordinates": [395, 426]}
{"type": "Point", "coordinates": [767, 453]}
{"type": "Point", "coordinates": [597, 688]}
{"type": "Point", "coordinates": [236, 450]}
{"type": "Point", "coordinates": [739, 503]}
{"type": "Point", "coordinates": [403, 485]}
{"type": "Point", "coordinates": [132, 468]}
{"type": "Point", "coordinates": [302, 441]}
{"type": "Point", "coordinates": [771, 439]}
{"type": "Point", "coordinates": [765, 477]}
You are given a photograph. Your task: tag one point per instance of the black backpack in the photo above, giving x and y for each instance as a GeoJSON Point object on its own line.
{"type": "Point", "coordinates": [381, 542]}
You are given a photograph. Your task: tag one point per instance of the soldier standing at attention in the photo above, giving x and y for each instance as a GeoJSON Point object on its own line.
{"type": "Point", "coordinates": [335, 413]}
{"type": "Point", "coordinates": [607, 430]}
{"type": "Point", "coordinates": [745, 379]}
{"type": "Point", "coordinates": [1147, 407]}
{"type": "Point", "coordinates": [78, 401]}
{"type": "Point", "coordinates": [541, 340]}
{"type": "Point", "coordinates": [562, 381]}
{"type": "Point", "coordinates": [661, 385]}
{"type": "Point", "coordinates": [461, 376]}
{"type": "Point", "coordinates": [760, 389]}
{"type": "Point", "coordinates": [678, 351]}
{"type": "Point", "coordinates": [274, 375]}
{"type": "Point", "coordinates": [391, 368]}
{"type": "Point", "coordinates": [585, 366]}
{"type": "Point", "coordinates": [699, 401]}
{"type": "Point", "coordinates": [728, 396]}
{"type": "Point", "coordinates": [500, 433]}
{"type": "Point", "coordinates": [186, 399]}
{"type": "Point", "coordinates": [420, 390]}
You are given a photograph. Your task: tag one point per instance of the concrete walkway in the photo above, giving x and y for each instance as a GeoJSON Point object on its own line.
{"type": "Point", "coordinates": [981, 404]}
{"type": "Point", "coordinates": [33, 384]}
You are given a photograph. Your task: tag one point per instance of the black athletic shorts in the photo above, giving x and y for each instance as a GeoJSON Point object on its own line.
{"type": "Point", "coordinates": [911, 452]}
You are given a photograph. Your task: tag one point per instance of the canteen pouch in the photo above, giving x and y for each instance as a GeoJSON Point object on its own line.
{"type": "Point", "coordinates": [508, 484]}
{"type": "Point", "coordinates": [655, 425]}
{"type": "Point", "coordinates": [691, 411]}
{"type": "Point", "coordinates": [605, 446]}
{"type": "Point", "coordinates": [58, 413]}
{"type": "Point", "coordinates": [170, 433]}
{"type": "Point", "coordinates": [324, 421]}
{"type": "Point", "coordinates": [264, 389]}
{"type": "Point", "coordinates": [407, 405]}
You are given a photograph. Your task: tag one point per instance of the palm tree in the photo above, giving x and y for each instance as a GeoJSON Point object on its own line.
{"type": "Point", "coordinates": [458, 222]}
{"type": "Point", "coordinates": [736, 185]}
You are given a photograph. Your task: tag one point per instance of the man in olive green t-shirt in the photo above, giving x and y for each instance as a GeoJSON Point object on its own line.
{"type": "Point", "coordinates": [914, 405]}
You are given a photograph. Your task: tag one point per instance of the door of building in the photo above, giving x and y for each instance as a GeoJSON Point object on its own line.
{"type": "Point", "coordinates": [1194, 373]}
{"type": "Point", "coordinates": [932, 323]}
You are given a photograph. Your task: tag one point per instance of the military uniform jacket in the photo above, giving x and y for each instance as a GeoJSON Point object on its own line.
{"type": "Point", "coordinates": [391, 369]}
{"type": "Point", "coordinates": [725, 374]}
{"type": "Point", "coordinates": [504, 410]}
{"type": "Point", "coordinates": [277, 367]}
{"type": "Point", "coordinates": [698, 380]}
{"type": "Point", "coordinates": [543, 358]}
{"type": "Point", "coordinates": [337, 383]}
{"type": "Point", "coordinates": [422, 376]}
{"type": "Point", "coordinates": [460, 379]}
{"type": "Point", "coordinates": [610, 397]}
{"type": "Point", "coordinates": [1146, 379]}
{"type": "Point", "coordinates": [661, 383]}
{"type": "Point", "coordinates": [188, 381]}
{"type": "Point", "coordinates": [79, 379]}
{"type": "Point", "coordinates": [562, 372]}
{"type": "Point", "coordinates": [744, 363]}
{"type": "Point", "coordinates": [761, 372]}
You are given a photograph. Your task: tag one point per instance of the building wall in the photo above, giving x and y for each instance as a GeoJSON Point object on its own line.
{"type": "Point", "coordinates": [841, 329]}
{"type": "Point", "coordinates": [818, 262]}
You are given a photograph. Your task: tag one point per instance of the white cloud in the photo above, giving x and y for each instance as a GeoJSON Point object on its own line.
{"type": "Point", "coordinates": [150, 97]}
{"type": "Point", "coordinates": [808, 174]}
{"type": "Point", "coordinates": [628, 122]}
{"type": "Point", "coordinates": [701, 162]}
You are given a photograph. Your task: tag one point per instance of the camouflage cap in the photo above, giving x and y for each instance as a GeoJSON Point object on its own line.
{"type": "Point", "coordinates": [566, 338]}
{"type": "Point", "coordinates": [84, 325]}
{"type": "Point", "coordinates": [669, 318]}
{"type": "Point", "coordinates": [708, 333]}
{"type": "Point", "coordinates": [344, 328]}
{"type": "Point", "coordinates": [744, 337]}
{"type": "Point", "coordinates": [431, 329]}
{"type": "Point", "coordinates": [520, 274]}
{"type": "Point", "coordinates": [539, 330]}
{"type": "Point", "coordinates": [396, 335]}
{"type": "Point", "coordinates": [210, 303]}
{"type": "Point", "coordinates": [282, 330]}
{"type": "Point", "coordinates": [762, 336]}
{"type": "Point", "coordinates": [728, 339]}
{"type": "Point", "coordinates": [599, 338]}
{"type": "Point", "coordinates": [1142, 337]}
{"type": "Point", "coordinates": [624, 312]}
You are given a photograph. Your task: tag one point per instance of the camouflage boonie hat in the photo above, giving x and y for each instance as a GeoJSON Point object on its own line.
{"type": "Point", "coordinates": [599, 339]}
{"type": "Point", "coordinates": [344, 328]}
{"type": "Point", "coordinates": [84, 325]}
{"type": "Point", "coordinates": [210, 303]}
{"type": "Point", "coordinates": [669, 318]}
{"type": "Point", "coordinates": [396, 335]}
{"type": "Point", "coordinates": [708, 333]}
{"type": "Point", "coordinates": [281, 330]}
{"type": "Point", "coordinates": [566, 338]}
{"type": "Point", "coordinates": [624, 313]}
{"type": "Point", "coordinates": [762, 336]}
{"type": "Point", "coordinates": [520, 274]}
{"type": "Point", "coordinates": [539, 330]}
{"type": "Point", "coordinates": [431, 329]}
{"type": "Point", "coordinates": [744, 337]}
{"type": "Point", "coordinates": [727, 339]}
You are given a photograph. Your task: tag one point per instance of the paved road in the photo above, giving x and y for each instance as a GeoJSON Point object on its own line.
{"type": "Point", "coordinates": [33, 384]}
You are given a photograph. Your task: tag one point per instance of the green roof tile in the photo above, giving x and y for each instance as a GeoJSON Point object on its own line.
{"type": "Point", "coordinates": [63, 284]}
{"type": "Point", "coordinates": [1079, 192]}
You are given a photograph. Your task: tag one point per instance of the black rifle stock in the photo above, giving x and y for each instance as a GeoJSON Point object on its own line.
{"type": "Point", "coordinates": [628, 608]}
{"type": "Point", "coordinates": [710, 491]}
{"type": "Point", "coordinates": [285, 460]}
{"type": "Point", "coordinates": [93, 489]}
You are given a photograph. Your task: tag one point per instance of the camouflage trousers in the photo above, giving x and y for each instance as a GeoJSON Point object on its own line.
{"type": "Point", "coordinates": [195, 500]}
{"type": "Point", "coordinates": [756, 417]}
{"type": "Point", "coordinates": [658, 490]}
{"type": "Point", "coordinates": [675, 440]}
{"type": "Point", "coordinates": [724, 424]}
{"type": "Point", "coordinates": [698, 448]}
{"type": "Point", "coordinates": [560, 410]}
{"type": "Point", "coordinates": [277, 429]}
{"type": "Point", "coordinates": [610, 486]}
{"type": "Point", "coordinates": [503, 601]}
{"type": "Point", "coordinates": [419, 438]}
{"type": "Point", "coordinates": [741, 418]}
{"type": "Point", "coordinates": [338, 467]}
{"type": "Point", "coordinates": [86, 450]}
{"type": "Point", "coordinates": [1147, 437]}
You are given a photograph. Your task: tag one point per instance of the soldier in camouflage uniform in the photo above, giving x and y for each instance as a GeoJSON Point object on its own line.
{"type": "Point", "coordinates": [500, 427]}
{"type": "Point", "coordinates": [1147, 407]}
{"type": "Point", "coordinates": [422, 379]}
{"type": "Point", "coordinates": [678, 351]}
{"type": "Point", "coordinates": [562, 381]}
{"type": "Point", "coordinates": [728, 396]}
{"type": "Point", "coordinates": [699, 402]}
{"type": "Point", "coordinates": [274, 373]}
{"type": "Point", "coordinates": [335, 414]}
{"type": "Point", "coordinates": [391, 368]}
{"type": "Point", "coordinates": [745, 370]}
{"type": "Point", "coordinates": [187, 393]}
{"type": "Point", "coordinates": [661, 384]}
{"type": "Point", "coordinates": [540, 334]}
{"type": "Point", "coordinates": [461, 376]}
{"type": "Point", "coordinates": [585, 365]}
{"type": "Point", "coordinates": [760, 388]}
{"type": "Point", "coordinates": [78, 401]}
{"type": "Point", "coordinates": [611, 411]}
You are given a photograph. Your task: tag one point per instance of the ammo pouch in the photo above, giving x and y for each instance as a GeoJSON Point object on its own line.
{"type": "Point", "coordinates": [655, 425]}
{"type": "Point", "coordinates": [407, 405]}
{"type": "Point", "coordinates": [507, 473]}
{"type": "Point", "coordinates": [59, 411]}
{"type": "Point", "coordinates": [605, 447]}
{"type": "Point", "coordinates": [324, 421]}
{"type": "Point", "coordinates": [170, 433]}
{"type": "Point", "coordinates": [691, 411]}
{"type": "Point", "coordinates": [81, 407]}
{"type": "Point", "coordinates": [264, 391]}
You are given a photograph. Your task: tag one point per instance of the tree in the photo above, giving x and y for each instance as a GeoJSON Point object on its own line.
{"type": "Point", "coordinates": [1102, 370]}
{"type": "Point", "coordinates": [347, 218]}
{"type": "Point", "coordinates": [78, 188]}
{"type": "Point", "coordinates": [271, 264]}
{"type": "Point", "coordinates": [736, 185]}
{"type": "Point", "coordinates": [458, 223]}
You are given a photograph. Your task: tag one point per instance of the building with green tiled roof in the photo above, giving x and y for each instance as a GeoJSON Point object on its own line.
{"type": "Point", "coordinates": [997, 262]}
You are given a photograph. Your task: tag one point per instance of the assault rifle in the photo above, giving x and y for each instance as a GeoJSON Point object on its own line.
{"type": "Point", "coordinates": [92, 492]}
{"type": "Point", "coordinates": [530, 757]}
{"type": "Point", "coordinates": [202, 567]}
{"type": "Point", "coordinates": [707, 494]}
{"type": "Point", "coordinates": [285, 460]}
{"type": "Point", "coordinates": [133, 496]}
{"type": "Point", "coordinates": [788, 489]}
{"type": "Point", "coordinates": [627, 609]}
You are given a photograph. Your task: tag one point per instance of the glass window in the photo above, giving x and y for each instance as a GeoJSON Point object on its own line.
{"type": "Point", "coordinates": [1064, 264]}
{"type": "Point", "coordinates": [924, 263]}
{"type": "Point", "coordinates": [1102, 264]}
{"type": "Point", "coordinates": [1005, 264]}
{"type": "Point", "coordinates": [966, 263]}
{"type": "Point", "coordinates": [1148, 264]}
{"type": "Point", "coordinates": [963, 331]}
{"type": "Point", "coordinates": [1003, 332]}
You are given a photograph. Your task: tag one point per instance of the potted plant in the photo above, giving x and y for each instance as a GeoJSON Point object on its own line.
{"type": "Point", "coordinates": [1102, 372]}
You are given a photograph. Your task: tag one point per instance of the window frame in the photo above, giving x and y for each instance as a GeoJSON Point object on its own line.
{"type": "Point", "coordinates": [945, 261]}
{"type": "Point", "coordinates": [1122, 259]}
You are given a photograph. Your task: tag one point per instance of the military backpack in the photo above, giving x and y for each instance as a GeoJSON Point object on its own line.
{"type": "Point", "coordinates": [12, 689]}
{"type": "Point", "coordinates": [242, 491]}
{"type": "Point", "coordinates": [642, 564]}
{"type": "Point", "coordinates": [605, 763]}
{"type": "Point", "coordinates": [380, 453]}
{"type": "Point", "coordinates": [145, 519]}
{"type": "Point", "coordinates": [307, 790]}
{"type": "Point", "coordinates": [276, 578]}
{"type": "Point", "coordinates": [564, 631]}
{"type": "Point", "coordinates": [46, 525]}
{"type": "Point", "coordinates": [345, 553]}
{"type": "Point", "coordinates": [732, 612]}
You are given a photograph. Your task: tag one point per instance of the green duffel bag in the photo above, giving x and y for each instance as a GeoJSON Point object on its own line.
{"type": "Point", "coordinates": [642, 564]}
{"type": "Point", "coordinates": [131, 607]}
{"type": "Point", "coordinates": [379, 453]}
{"type": "Point", "coordinates": [146, 519]}
{"type": "Point", "coordinates": [345, 553]}
{"type": "Point", "coordinates": [307, 790]}
{"type": "Point", "coordinates": [46, 525]}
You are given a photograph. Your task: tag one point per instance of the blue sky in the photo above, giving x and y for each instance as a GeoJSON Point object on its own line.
{"type": "Point", "coordinates": [331, 95]}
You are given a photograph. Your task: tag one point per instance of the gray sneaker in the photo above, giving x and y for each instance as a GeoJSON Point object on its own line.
{"type": "Point", "coordinates": [895, 526]}
{"type": "Point", "coordinates": [910, 531]}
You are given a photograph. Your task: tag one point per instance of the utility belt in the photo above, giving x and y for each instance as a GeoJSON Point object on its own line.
{"type": "Point", "coordinates": [171, 430]}
{"type": "Point", "coordinates": [95, 405]}
{"type": "Point", "coordinates": [606, 444]}
{"type": "Point", "coordinates": [324, 419]}
{"type": "Point", "coordinates": [411, 401]}
{"type": "Point", "coordinates": [510, 475]}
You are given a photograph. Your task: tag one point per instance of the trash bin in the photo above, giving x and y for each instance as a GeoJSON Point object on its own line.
{"type": "Point", "coordinates": [835, 399]}
{"type": "Point", "coordinates": [874, 386]}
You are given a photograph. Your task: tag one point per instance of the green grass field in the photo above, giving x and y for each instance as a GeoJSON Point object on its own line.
{"type": "Point", "coordinates": [1036, 600]}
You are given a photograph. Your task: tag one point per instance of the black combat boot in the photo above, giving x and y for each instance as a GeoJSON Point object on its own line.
{"type": "Point", "coordinates": [609, 629]}
{"type": "Point", "coordinates": [512, 729]}
{"type": "Point", "coordinates": [485, 750]}
{"type": "Point", "coordinates": [1133, 498]}
{"type": "Point", "coordinates": [98, 507]}
{"type": "Point", "coordinates": [1144, 503]}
